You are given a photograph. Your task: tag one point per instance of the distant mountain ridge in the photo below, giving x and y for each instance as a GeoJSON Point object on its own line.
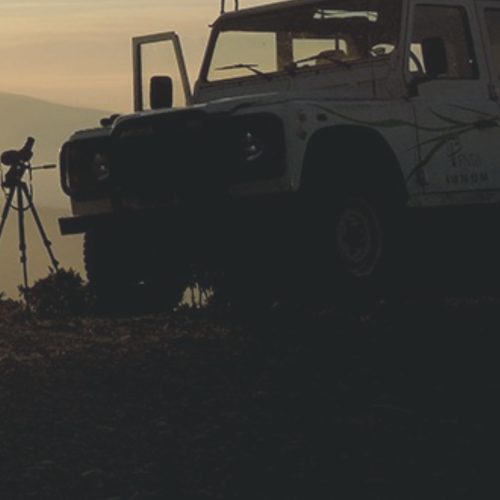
{"type": "Point", "coordinates": [51, 125]}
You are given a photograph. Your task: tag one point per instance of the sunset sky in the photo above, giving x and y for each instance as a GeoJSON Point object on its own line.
{"type": "Point", "coordinates": [77, 52]}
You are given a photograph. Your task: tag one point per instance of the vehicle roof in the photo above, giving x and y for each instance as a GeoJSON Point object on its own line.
{"type": "Point", "coordinates": [270, 7]}
{"type": "Point", "coordinates": [280, 5]}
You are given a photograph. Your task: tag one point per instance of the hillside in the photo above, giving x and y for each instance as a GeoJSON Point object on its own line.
{"type": "Point", "coordinates": [396, 403]}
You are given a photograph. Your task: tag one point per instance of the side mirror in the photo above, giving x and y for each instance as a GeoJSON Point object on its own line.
{"type": "Point", "coordinates": [161, 92]}
{"type": "Point", "coordinates": [434, 56]}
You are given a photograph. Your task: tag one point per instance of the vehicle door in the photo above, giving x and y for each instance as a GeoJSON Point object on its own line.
{"type": "Point", "coordinates": [159, 66]}
{"type": "Point", "coordinates": [457, 114]}
{"type": "Point", "coordinates": [489, 21]}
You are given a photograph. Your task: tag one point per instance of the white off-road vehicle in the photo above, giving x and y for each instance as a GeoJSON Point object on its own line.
{"type": "Point", "coordinates": [316, 130]}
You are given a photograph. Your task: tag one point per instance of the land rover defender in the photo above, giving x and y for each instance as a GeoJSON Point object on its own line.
{"type": "Point", "coordinates": [314, 129]}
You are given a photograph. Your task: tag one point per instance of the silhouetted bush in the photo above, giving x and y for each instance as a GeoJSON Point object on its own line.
{"type": "Point", "coordinates": [61, 294]}
{"type": "Point", "coordinates": [11, 310]}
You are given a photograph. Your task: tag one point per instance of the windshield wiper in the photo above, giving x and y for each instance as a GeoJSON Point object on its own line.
{"type": "Point", "coordinates": [293, 66]}
{"type": "Point", "coordinates": [250, 67]}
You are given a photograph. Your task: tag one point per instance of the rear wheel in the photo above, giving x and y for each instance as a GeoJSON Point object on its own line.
{"type": "Point", "coordinates": [358, 240]}
{"type": "Point", "coordinates": [355, 249]}
{"type": "Point", "coordinates": [130, 273]}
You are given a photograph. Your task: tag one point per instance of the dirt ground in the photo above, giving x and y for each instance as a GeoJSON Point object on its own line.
{"type": "Point", "coordinates": [397, 402]}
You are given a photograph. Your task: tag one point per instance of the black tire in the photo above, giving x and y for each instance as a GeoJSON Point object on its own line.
{"type": "Point", "coordinates": [355, 250]}
{"type": "Point", "coordinates": [358, 239]}
{"type": "Point", "coordinates": [131, 274]}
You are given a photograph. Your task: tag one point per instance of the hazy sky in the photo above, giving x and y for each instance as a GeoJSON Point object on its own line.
{"type": "Point", "coordinates": [78, 51]}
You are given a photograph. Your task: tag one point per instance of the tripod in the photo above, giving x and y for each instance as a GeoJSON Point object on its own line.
{"type": "Point", "coordinates": [18, 190]}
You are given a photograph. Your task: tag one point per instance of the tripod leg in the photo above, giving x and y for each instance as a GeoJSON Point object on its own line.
{"type": "Point", "coordinates": [22, 237]}
{"type": "Point", "coordinates": [46, 241]}
{"type": "Point", "coordinates": [6, 209]}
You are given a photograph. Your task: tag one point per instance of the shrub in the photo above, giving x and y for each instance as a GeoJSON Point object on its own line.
{"type": "Point", "coordinates": [11, 310]}
{"type": "Point", "coordinates": [61, 294]}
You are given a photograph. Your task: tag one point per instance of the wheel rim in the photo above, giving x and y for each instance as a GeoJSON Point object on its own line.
{"type": "Point", "coordinates": [358, 239]}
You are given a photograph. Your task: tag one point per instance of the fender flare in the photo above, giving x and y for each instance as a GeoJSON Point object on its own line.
{"type": "Point", "coordinates": [353, 157]}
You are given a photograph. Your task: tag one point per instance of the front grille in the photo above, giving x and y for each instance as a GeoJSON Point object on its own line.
{"type": "Point", "coordinates": [192, 155]}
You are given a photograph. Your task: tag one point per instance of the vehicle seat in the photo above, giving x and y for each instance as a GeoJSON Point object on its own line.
{"type": "Point", "coordinates": [323, 57]}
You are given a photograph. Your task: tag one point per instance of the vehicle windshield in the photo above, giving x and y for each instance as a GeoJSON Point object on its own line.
{"type": "Point", "coordinates": [335, 33]}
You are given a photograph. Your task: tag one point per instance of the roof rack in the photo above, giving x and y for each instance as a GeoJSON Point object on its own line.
{"type": "Point", "coordinates": [223, 6]}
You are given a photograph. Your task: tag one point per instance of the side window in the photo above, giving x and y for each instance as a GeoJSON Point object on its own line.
{"type": "Point", "coordinates": [492, 17]}
{"type": "Point", "coordinates": [452, 26]}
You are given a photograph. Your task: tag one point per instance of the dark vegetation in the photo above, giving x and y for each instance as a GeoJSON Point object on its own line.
{"type": "Point", "coordinates": [398, 401]}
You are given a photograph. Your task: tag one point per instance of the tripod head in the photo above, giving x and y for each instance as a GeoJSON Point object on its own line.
{"type": "Point", "coordinates": [18, 161]}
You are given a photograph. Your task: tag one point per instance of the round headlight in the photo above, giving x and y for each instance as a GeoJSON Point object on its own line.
{"type": "Point", "coordinates": [100, 169]}
{"type": "Point", "coordinates": [252, 147]}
